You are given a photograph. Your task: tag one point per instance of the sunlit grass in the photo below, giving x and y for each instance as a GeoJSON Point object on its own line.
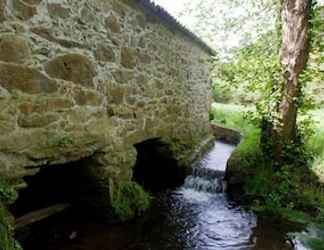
{"type": "Point", "coordinates": [316, 143]}
{"type": "Point", "coordinates": [233, 116]}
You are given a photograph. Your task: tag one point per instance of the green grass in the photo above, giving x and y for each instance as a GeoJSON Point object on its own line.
{"type": "Point", "coordinates": [129, 199]}
{"type": "Point", "coordinates": [316, 143]}
{"type": "Point", "coordinates": [232, 116]}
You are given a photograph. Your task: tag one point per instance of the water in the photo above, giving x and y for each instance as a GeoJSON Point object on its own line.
{"type": "Point", "coordinates": [196, 216]}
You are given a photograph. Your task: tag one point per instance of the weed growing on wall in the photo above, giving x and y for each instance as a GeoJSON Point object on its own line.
{"type": "Point", "coordinates": [129, 199]}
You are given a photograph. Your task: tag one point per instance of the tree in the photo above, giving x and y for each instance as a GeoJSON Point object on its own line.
{"type": "Point", "coordinates": [229, 24]}
{"type": "Point", "coordinates": [294, 53]}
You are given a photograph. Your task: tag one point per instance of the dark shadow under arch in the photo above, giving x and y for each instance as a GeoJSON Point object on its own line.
{"type": "Point", "coordinates": [156, 169]}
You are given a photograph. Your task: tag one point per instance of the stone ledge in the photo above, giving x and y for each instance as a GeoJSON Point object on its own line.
{"type": "Point", "coordinates": [226, 134]}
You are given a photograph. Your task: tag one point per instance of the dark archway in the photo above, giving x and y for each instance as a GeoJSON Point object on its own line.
{"type": "Point", "coordinates": [155, 168]}
{"type": "Point", "coordinates": [57, 184]}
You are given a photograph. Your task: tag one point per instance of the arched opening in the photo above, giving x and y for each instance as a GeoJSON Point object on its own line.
{"type": "Point", "coordinates": [53, 187]}
{"type": "Point", "coordinates": [155, 168]}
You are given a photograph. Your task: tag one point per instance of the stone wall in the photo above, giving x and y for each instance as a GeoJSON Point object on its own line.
{"type": "Point", "coordinates": [83, 79]}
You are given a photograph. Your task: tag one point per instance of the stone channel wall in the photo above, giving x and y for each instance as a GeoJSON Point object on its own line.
{"type": "Point", "coordinates": [82, 79]}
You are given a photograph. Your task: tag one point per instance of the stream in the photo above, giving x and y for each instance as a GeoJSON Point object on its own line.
{"type": "Point", "coordinates": [197, 215]}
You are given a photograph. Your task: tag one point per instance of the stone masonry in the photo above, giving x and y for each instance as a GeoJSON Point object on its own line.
{"type": "Point", "coordinates": [82, 79]}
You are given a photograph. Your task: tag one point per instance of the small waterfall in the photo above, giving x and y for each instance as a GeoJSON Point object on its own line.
{"type": "Point", "coordinates": [205, 180]}
{"type": "Point", "coordinates": [208, 175]}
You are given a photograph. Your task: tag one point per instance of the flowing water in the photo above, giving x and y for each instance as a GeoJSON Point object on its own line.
{"type": "Point", "coordinates": [196, 216]}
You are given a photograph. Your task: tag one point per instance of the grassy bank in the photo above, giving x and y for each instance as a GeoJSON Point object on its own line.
{"type": "Point", "coordinates": [293, 193]}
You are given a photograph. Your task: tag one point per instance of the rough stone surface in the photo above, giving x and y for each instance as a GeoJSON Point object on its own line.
{"type": "Point", "coordinates": [22, 10]}
{"type": "Point", "coordinates": [82, 79]}
{"type": "Point", "coordinates": [56, 10]}
{"type": "Point", "coordinates": [2, 10]}
{"type": "Point", "coordinates": [72, 67]}
{"type": "Point", "coordinates": [113, 24]}
{"type": "Point", "coordinates": [13, 48]}
{"type": "Point", "coordinates": [105, 53]}
{"type": "Point", "coordinates": [14, 77]}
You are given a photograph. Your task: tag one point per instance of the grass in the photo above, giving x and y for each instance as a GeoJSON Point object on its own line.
{"type": "Point", "coordinates": [292, 193]}
{"type": "Point", "coordinates": [232, 116]}
{"type": "Point", "coordinates": [316, 143]}
{"type": "Point", "coordinates": [129, 199]}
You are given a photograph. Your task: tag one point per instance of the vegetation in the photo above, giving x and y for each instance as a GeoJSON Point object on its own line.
{"type": "Point", "coordinates": [7, 193]}
{"type": "Point", "coordinates": [292, 189]}
{"type": "Point", "coordinates": [290, 193]}
{"type": "Point", "coordinates": [129, 199]}
{"type": "Point", "coordinates": [7, 196]}
{"type": "Point", "coordinates": [231, 23]}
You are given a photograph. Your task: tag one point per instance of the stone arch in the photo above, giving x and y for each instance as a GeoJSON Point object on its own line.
{"type": "Point", "coordinates": [61, 184]}
{"type": "Point", "coordinates": [156, 166]}
{"type": "Point", "coordinates": [92, 183]}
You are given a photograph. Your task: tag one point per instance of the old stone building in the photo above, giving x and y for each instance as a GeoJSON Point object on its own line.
{"type": "Point", "coordinates": [87, 80]}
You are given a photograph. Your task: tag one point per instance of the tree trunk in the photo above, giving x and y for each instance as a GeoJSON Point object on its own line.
{"type": "Point", "coordinates": [293, 57]}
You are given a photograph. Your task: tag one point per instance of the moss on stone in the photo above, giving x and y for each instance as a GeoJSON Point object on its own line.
{"type": "Point", "coordinates": [128, 199]}
{"type": "Point", "coordinates": [246, 157]}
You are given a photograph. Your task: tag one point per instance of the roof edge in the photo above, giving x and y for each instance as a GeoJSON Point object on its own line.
{"type": "Point", "coordinates": [173, 23]}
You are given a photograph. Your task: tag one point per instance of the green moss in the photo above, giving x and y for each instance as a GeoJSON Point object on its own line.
{"type": "Point", "coordinates": [7, 193]}
{"type": "Point", "coordinates": [128, 199]}
{"type": "Point", "coordinates": [60, 141]}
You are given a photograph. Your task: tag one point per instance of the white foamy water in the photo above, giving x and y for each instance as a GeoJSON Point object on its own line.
{"type": "Point", "coordinates": [217, 224]}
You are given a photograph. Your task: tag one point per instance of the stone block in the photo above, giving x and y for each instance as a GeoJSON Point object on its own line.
{"type": "Point", "coordinates": [56, 10]}
{"type": "Point", "coordinates": [14, 48]}
{"type": "Point", "coordinates": [105, 53]}
{"type": "Point", "coordinates": [83, 97]}
{"type": "Point", "coordinates": [72, 67]}
{"type": "Point", "coordinates": [28, 80]}
{"type": "Point", "coordinates": [37, 120]}
{"type": "Point", "coordinates": [116, 95]}
{"type": "Point", "coordinates": [113, 24]}
{"type": "Point", "coordinates": [128, 57]}
{"type": "Point", "coordinates": [22, 10]}
{"type": "Point", "coordinates": [46, 105]}
{"type": "Point", "coordinates": [123, 76]}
